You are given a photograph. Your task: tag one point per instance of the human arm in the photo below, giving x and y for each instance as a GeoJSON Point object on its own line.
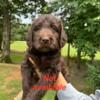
{"type": "Point", "coordinates": [70, 93]}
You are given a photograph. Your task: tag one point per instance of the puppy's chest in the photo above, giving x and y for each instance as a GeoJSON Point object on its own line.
{"type": "Point", "coordinates": [44, 63]}
{"type": "Point", "coordinates": [48, 62]}
{"type": "Point", "coordinates": [48, 65]}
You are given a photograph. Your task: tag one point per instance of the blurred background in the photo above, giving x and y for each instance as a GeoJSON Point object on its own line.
{"type": "Point", "coordinates": [81, 19]}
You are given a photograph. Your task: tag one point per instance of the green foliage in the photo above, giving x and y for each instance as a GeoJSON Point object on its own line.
{"type": "Point", "coordinates": [89, 50]}
{"type": "Point", "coordinates": [94, 76]}
{"type": "Point", "coordinates": [82, 23]}
{"type": "Point", "coordinates": [85, 27]}
{"type": "Point", "coordinates": [23, 7]}
{"type": "Point", "coordinates": [19, 32]}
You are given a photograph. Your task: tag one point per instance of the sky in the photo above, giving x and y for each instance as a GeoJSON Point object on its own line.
{"type": "Point", "coordinates": [26, 20]}
{"type": "Point", "coordinates": [29, 20]}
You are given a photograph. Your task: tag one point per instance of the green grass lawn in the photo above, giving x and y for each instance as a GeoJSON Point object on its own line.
{"type": "Point", "coordinates": [17, 57]}
{"type": "Point", "coordinates": [10, 84]}
{"type": "Point", "coordinates": [20, 46]}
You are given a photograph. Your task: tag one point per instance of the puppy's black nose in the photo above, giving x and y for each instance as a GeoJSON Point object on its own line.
{"type": "Point", "coordinates": [45, 40]}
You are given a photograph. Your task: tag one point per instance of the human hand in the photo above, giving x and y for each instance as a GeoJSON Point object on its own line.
{"type": "Point", "coordinates": [61, 80]}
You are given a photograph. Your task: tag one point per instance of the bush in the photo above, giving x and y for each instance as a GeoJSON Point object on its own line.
{"type": "Point", "coordinates": [94, 76]}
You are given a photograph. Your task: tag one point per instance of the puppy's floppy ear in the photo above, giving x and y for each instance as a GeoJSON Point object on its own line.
{"type": "Point", "coordinates": [63, 36]}
{"type": "Point", "coordinates": [29, 38]}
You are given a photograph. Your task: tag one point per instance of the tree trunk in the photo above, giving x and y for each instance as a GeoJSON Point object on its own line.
{"type": "Point", "coordinates": [0, 40]}
{"type": "Point", "coordinates": [68, 55]}
{"type": "Point", "coordinates": [92, 59]}
{"type": "Point", "coordinates": [78, 58]}
{"type": "Point", "coordinates": [6, 34]}
{"type": "Point", "coordinates": [1, 32]}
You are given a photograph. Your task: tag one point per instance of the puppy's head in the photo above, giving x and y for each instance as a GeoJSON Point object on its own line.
{"type": "Point", "coordinates": [46, 34]}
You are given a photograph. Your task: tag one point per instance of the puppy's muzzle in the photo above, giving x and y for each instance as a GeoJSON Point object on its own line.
{"type": "Point", "coordinates": [45, 40]}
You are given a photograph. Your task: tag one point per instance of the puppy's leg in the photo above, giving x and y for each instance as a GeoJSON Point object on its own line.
{"type": "Point", "coordinates": [37, 94]}
{"type": "Point", "coordinates": [27, 78]}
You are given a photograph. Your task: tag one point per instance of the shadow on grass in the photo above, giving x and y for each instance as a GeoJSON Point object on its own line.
{"type": "Point", "coordinates": [79, 76]}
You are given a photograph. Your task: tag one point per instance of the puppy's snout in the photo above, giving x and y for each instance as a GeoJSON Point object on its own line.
{"type": "Point", "coordinates": [45, 40]}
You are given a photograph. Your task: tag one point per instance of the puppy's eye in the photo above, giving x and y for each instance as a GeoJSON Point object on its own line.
{"type": "Point", "coordinates": [36, 28]}
{"type": "Point", "coordinates": [55, 28]}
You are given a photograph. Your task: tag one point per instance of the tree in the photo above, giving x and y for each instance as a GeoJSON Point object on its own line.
{"type": "Point", "coordinates": [19, 31]}
{"type": "Point", "coordinates": [86, 25]}
{"type": "Point", "coordinates": [1, 29]}
{"type": "Point", "coordinates": [7, 30]}
{"type": "Point", "coordinates": [10, 8]}
{"type": "Point", "coordinates": [82, 19]}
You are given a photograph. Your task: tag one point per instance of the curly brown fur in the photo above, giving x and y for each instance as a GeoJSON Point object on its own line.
{"type": "Point", "coordinates": [45, 39]}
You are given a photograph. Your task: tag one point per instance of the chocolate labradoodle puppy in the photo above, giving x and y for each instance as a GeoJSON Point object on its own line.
{"type": "Point", "coordinates": [45, 39]}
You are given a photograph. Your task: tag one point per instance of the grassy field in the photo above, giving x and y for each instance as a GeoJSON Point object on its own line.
{"type": "Point", "coordinates": [10, 81]}
{"type": "Point", "coordinates": [20, 46]}
{"type": "Point", "coordinates": [10, 77]}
